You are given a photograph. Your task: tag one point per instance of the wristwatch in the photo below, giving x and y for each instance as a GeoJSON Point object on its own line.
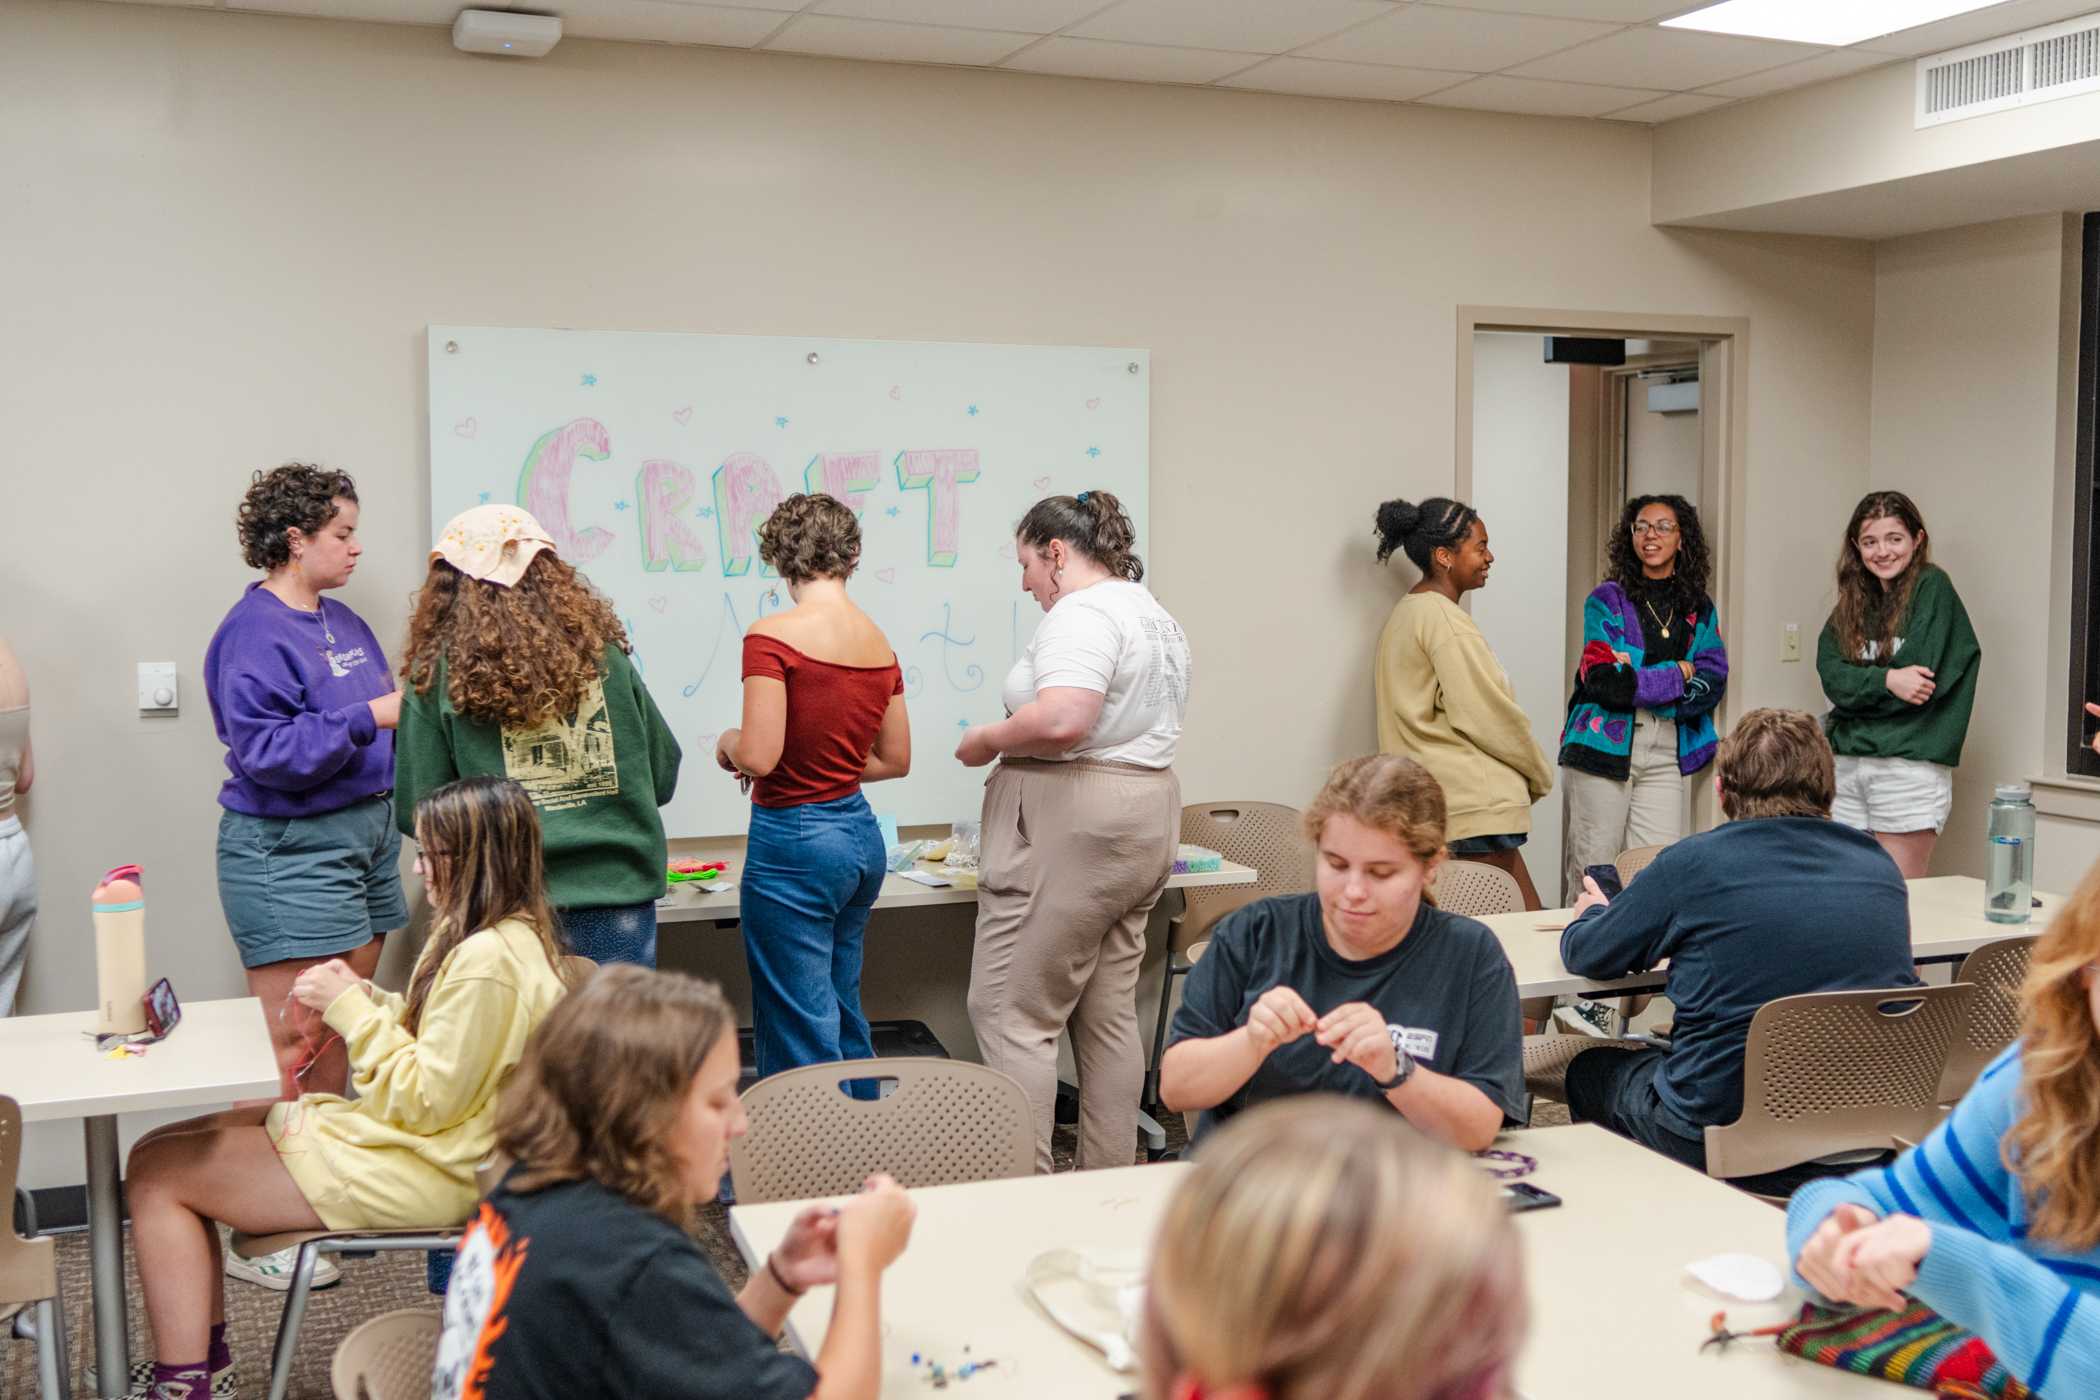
{"type": "Point", "coordinates": [1403, 1070]}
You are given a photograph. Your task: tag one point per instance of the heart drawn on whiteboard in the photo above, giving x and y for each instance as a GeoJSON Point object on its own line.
{"type": "Point", "coordinates": [683, 415]}
{"type": "Point", "coordinates": [660, 602]}
{"type": "Point", "coordinates": [1006, 551]}
{"type": "Point", "coordinates": [707, 741]}
{"type": "Point", "coordinates": [1042, 483]}
{"type": "Point", "coordinates": [1093, 403]}
{"type": "Point", "coordinates": [886, 575]}
{"type": "Point", "coordinates": [896, 391]}
{"type": "Point", "coordinates": [466, 428]}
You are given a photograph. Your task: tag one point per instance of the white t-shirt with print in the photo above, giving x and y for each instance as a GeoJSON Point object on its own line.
{"type": "Point", "coordinates": [1115, 639]}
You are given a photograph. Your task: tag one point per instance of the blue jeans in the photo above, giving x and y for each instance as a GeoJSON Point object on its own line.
{"type": "Point", "coordinates": [613, 933]}
{"type": "Point", "coordinates": [811, 874]}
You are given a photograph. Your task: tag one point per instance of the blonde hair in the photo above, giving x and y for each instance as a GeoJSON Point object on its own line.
{"type": "Point", "coordinates": [1324, 1250]}
{"type": "Point", "coordinates": [602, 1083]}
{"type": "Point", "coordinates": [1386, 792]}
{"type": "Point", "coordinates": [2054, 1145]}
{"type": "Point", "coordinates": [1776, 763]}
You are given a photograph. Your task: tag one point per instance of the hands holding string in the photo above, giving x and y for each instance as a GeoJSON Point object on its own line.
{"type": "Point", "coordinates": [1865, 1260]}
{"type": "Point", "coordinates": [1353, 1033]}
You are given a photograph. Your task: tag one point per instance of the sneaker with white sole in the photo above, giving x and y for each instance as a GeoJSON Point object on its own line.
{"type": "Point", "coordinates": [1592, 1018]}
{"type": "Point", "coordinates": [274, 1271]}
{"type": "Point", "coordinates": [139, 1382]}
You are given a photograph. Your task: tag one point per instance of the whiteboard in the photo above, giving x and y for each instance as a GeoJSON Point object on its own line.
{"type": "Point", "coordinates": [653, 458]}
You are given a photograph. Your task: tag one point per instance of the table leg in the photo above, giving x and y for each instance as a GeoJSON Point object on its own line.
{"type": "Point", "coordinates": [106, 1256]}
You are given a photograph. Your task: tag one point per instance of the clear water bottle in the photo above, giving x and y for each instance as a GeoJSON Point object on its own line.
{"type": "Point", "coordinates": [2008, 892]}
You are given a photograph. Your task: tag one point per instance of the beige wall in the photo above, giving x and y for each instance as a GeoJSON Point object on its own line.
{"type": "Point", "coordinates": [1969, 404]}
{"type": "Point", "coordinates": [237, 227]}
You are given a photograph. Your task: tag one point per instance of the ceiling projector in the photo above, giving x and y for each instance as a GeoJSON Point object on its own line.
{"type": "Point", "coordinates": [505, 33]}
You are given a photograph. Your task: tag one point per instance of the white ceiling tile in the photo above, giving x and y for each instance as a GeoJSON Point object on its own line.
{"type": "Point", "coordinates": [381, 11]}
{"type": "Point", "coordinates": [1315, 77]}
{"type": "Point", "coordinates": [1669, 109]}
{"type": "Point", "coordinates": [1675, 59]}
{"type": "Point", "coordinates": [1476, 41]}
{"type": "Point", "coordinates": [1974, 28]}
{"type": "Point", "coordinates": [652, 21]}
{"type": "Point", "coordinates": [836, 37]}
{"type": "Point", "coordinates": [1251, 26]}
{"type": "Point", "coordinates": [1539, 98]}
{"type": "Point", "coordinates": [1820, 69]}
{"type": "Point", "coordinates": [1139, 63]}
{"type": "Point", "coordinates": [1610, 11]}
{"type": "Point", "coordinates": [1020, 16]}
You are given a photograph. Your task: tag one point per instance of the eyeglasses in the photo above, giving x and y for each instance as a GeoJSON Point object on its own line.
{"type": "Point", "coordinates": [1654, 527]}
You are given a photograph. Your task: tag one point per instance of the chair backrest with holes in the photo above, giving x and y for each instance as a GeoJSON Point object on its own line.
{"type": "Point", "coordinates": [1633, 862]}
{"type": "Point", "coordinates": [28, 1268]}
{"type": "Point", "coordinates": [1836, 1072]}
{"type": "Point", "coordinates": [1266, 836]}
{"type": "Point", "coordinates": [1476, 889]}
{"type": "Point", "coordinates": [387, 1358]}
{"type": "Point", "coordinates": [940, 1121]}
{"type": "Point", "coordinates": [1996, 970]}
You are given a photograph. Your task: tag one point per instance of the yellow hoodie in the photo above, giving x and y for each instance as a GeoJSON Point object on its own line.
{"type": "Point", "coordinates": [1444, 701]}
{"type": "Point", "coordinates": [402, 1154]}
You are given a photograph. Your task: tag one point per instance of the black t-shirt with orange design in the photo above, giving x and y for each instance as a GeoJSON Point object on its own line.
{"type": "Point", "coordinates": [573, 1292]}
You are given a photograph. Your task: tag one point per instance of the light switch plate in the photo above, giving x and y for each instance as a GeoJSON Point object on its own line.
{"type": "Point", "coordinates": [158, 692]}
{"type": "Point", "coordinates": [1790, 642]}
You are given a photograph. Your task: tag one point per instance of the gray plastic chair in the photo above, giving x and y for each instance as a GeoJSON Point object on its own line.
{"type": "Point", "coordinates": [1996, 970]}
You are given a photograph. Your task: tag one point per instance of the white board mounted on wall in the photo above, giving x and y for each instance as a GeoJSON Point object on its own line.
{"type": "Point", "coordinates": [652, 459]}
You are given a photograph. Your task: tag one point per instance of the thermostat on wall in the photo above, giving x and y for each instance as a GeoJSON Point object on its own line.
{"type": "Point", "coordinates": [506, 34]}
{"type": "Point", "coordinates": [157, 692]}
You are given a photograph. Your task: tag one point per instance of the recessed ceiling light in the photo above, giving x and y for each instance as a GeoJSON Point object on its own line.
{"type": "Point", "coordinates": [1822, 21]}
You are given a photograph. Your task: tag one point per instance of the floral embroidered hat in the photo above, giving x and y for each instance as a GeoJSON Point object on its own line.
{"type": "Point", "coordinates": [493, 543]}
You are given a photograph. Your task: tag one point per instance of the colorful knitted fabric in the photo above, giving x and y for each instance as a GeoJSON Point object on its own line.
{"type": "Point", "coordinates": [1916, 1347]}
{"type": "Point", "coordinates": [1598, 735]}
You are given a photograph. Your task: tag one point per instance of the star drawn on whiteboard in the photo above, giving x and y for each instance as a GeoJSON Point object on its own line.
{"type": "Point", "coordinates": [1093, 452]}
{"type": "Point", "coordinates": [962, 724]}
{"type": "Point", "coordinates": [590, 381]}
{"type": "Point", "coordinates": [973, 410]}
{"type": "Point", "coordinates": [704, 513]}
{"type": "Point", "coordinates": [780, 422]}
{"type": "Point", "coordinates": [619, 505]}
{"type": "Point", "coordinates": [485, 497]}
{"type": "Point", "coordinates": [892, 512]}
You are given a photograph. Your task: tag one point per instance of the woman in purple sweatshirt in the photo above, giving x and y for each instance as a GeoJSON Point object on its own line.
{"type": "Point", "coordinates": [302, 698]}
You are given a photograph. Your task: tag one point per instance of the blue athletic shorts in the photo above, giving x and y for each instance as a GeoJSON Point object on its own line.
{"type": "Point", "coordinates": [310, 887]}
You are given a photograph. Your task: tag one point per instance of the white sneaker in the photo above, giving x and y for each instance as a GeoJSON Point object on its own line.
{"type": "Point", "coordinates": [274, 1271]}
{"type": "Point", "coordinates": [1582, 1018]}
{"type": "Point", "coordinates": [139, 1382]}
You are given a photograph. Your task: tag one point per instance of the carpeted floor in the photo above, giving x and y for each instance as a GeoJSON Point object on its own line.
{"type": "Point", "coordinates": [370, 1287]}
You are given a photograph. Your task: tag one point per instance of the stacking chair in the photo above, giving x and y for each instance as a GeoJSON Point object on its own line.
{"type": "Point", "coordinates": [941, 1121]}
{"type": "Point", "coordinates": [1546, 1057]}
{"type": "Point", "coordinates": [1833, 1073]}
{"type": "Point", "coordinates": [1265, 836]}
{"type": "Point", "coordinates": [30, 1305]}
{"type": "Point", "coordinates": [1996, 970]}
{"type": "Point", "coordinates": [387, 1358]}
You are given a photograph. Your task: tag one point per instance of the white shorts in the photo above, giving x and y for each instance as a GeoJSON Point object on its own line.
{"type": "Point", "coordinates": [1893, 795]}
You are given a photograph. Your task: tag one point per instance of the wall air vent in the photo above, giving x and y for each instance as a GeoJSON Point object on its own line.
{"type": "Point", "coordinates": [2018, 70]}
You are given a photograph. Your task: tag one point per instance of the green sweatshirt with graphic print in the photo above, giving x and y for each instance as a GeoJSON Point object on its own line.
{"type": "Point", "coordinates": [1866, 720]}
{"type": "Point", "coordinates": [596, 778]}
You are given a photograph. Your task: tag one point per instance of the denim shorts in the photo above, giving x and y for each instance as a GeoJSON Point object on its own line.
{"type": "Point", "coordinates": [310, 887]}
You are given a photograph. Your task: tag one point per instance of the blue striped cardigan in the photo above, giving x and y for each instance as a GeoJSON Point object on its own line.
{"type": "Point", "coordinates": [2037, 1308]}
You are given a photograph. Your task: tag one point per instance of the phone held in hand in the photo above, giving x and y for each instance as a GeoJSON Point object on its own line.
{"type": "Point", "coordinates": [1607, 878]}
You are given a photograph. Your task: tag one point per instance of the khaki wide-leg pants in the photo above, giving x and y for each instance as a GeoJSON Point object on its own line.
{"type": "Point", "coordinates": [1074, 856]}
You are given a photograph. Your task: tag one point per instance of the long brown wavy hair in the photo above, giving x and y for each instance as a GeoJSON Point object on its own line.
{"type": "Point", "coordinates": [603, 1081]}
{"type": "Point", "coordinates": [1865, 611]}
{"type": "Point", "coordinates": [516, 656]}
{"type": "Point", "coordinates": [2054, 1145]}
{"type": "Point", "coordinates": [480, 840]}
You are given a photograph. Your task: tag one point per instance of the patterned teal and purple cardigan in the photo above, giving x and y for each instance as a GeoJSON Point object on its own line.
{"type": "Point", "coordinates": [1598, 737]}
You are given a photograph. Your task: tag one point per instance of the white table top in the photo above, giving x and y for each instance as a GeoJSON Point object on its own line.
{"type": "Point", "coordinates": [1946, 921]}
{"type": "Point", "coordinates": [692, 899]}
{"type": "Point", "coordinates": [1613, 1312]}
{"type": "Point", "coordinates": [219, 1054]}
{"type": "Point", "coordinates": [959, 1282]}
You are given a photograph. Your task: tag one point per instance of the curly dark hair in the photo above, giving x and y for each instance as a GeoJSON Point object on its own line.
{"type": "Point", "coordinates": [1092, 522]}
{"type": "Point", "coordinates": [516, 656]}
{"type": "Point", "coordinates": [295, 496]}
{"type": "Point", "coordinates": [1685, 588]}
{"type": "Point", "coordinates": [1867, 612]}
{"type": "Point", "coordinates": [809, 537]}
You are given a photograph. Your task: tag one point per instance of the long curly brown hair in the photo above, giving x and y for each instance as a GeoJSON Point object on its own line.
{"type": "Point", "coordinates": [1865, 611]}
{"type": "Point", "coordinates": [516, 656]}
{"type": "Point", "coordinates": [1693, 573]}
{"type": "Point", "coordinates": [2054, 1145]}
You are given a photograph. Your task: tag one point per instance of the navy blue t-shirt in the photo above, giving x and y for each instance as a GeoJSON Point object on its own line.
{"type": "Point", "coordinates": [1746, 913]}
{"type": "Point", "coordinates": [1446, 992]}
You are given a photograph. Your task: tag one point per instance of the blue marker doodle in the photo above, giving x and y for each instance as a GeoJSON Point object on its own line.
{"type": "Point", "coordinates": [635, 655]}
{"type": "Point", "coordinates": [892, 512]}
{"type": "Point", "coordinates": [1093, 452]}
{"type": "Point", "coordinates": [780, 422]}
{"type": "Point", "coordinates": [590, 381]}
{"type": "Point", "coordinates": [704, 513]}
{"type": "Point", "coordinates": [620, 505]}
{"type": "Point", "coordinates": [914, 682]}
{"type": "Point", "coordinates": [973, 675]}
{"type": "Point", "coordinates": [770, 597]}
{"type": "Point", "coordinates": [736, 629]}
{"type": "Point", "coordinates": [973, 410]}
{"type": "Point", "coordinates": [485, 497]}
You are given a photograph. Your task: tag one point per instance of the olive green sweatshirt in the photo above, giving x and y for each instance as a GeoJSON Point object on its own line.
{"type": "Point", "coordinates": [1866, 720]}
{"type": "Point", "coordinates": [596, 777]}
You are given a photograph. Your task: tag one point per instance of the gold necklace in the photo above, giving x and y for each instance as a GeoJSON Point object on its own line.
{"type": "Point", "coordinates": [1665, 626]}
